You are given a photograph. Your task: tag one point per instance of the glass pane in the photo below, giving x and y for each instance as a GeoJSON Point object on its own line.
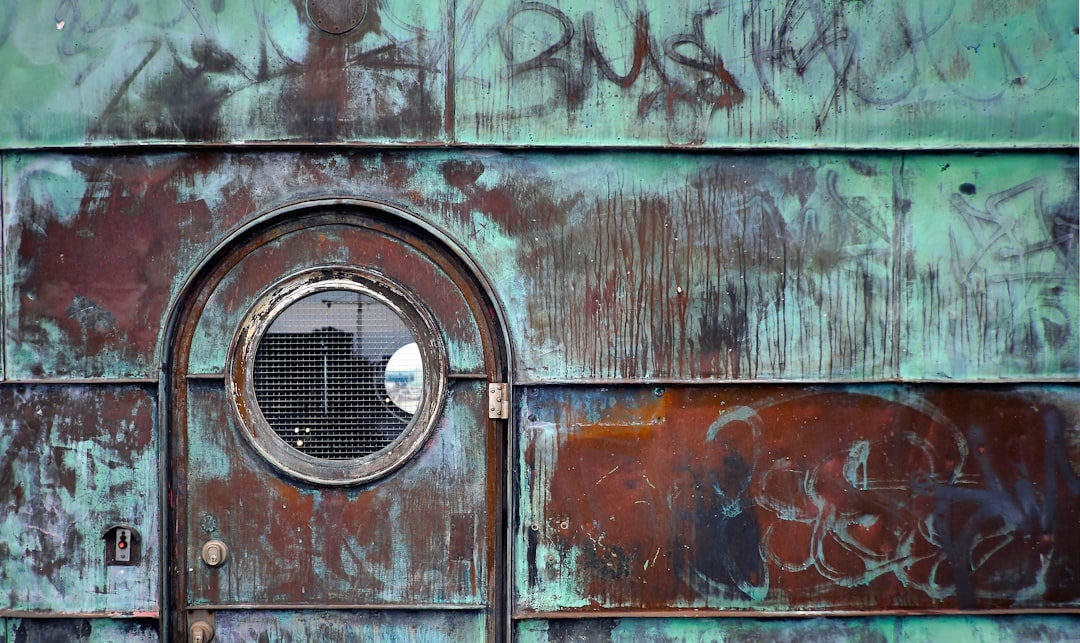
{"type": "Point", "coordinates": [321, 375]}
{"type": "Point", "coordinates": [405, 378]}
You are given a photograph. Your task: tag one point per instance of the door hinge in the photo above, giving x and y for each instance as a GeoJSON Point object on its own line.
{"type": "Point", "coordinates": [498, 401]}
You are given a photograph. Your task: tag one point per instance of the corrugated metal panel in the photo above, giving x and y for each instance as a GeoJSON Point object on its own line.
{"type": "Point", "coordinates": [791, 73]}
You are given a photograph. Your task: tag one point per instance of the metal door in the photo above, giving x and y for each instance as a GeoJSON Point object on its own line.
{"type": "Point", "coordinates": [270, 540]}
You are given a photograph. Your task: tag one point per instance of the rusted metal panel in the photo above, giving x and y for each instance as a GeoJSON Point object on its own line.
{"type": "Point", "coordinates": [82, 630]}
{"type": "Point", "coordinates": [387, 626]}
{"type": "Point", "coordinates": [832, 498]}
{"type": "Point", "coordinates": [386, 543]}
{"type": "Point", "coordinates": [792, 73]}
{"type": "Point", "coordinates": [909, 629]}
{"type": "Point", "coordinates": [631, 265]}
{"type": "Point", "coordinates": [75, 460]}
{"type": "Point", "coordinates": [96, 247]}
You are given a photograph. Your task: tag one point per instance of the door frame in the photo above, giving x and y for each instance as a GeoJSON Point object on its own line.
{"type": "Point", "coordinates": [174, 347]}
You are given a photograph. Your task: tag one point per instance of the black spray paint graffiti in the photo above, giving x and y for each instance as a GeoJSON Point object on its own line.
{"type": "Point", "coordinates": [181, 86]}
{"type": "Point", "coordinates": [805, 54]}
{"type": "Point", "coordinates": [175, 73]}
{"type": "Point", "coordinates": [878, 63]}
{"type": "Point", "coordinates": [1019, 245]}
{"type": "Point", "coordinates": [682, 72]}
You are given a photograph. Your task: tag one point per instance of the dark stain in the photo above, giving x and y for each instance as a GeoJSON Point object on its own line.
{"type": "Point", "coordinates": [863, 169]}
{"type": "Point", "coordinates": [59, 630]}
{"type": "Point", "coordinates": [967, 188]}
{"type": "Point", "coordinates": [462, 173]}
{"type": "Point", "coordinates": [600, 630]}
{"type": "Point", "coordinates": [362, 83]}
{"type": "Point", "coordinates": [532, 541]}
{"type": "Point", "coordinates": [81, 630]}
{"type": "Point", "coordinates": [725, 527]}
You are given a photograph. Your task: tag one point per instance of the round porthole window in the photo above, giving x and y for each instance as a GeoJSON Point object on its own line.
{"type": "Point", "coordinates": [337, 376]}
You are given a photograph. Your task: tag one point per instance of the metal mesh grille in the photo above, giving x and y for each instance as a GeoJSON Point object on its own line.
{"type": "Point", "coordinates": [320, 375]}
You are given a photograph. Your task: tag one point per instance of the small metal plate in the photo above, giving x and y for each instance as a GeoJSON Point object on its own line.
{"type": "Point", "coordinates": [337, 16]}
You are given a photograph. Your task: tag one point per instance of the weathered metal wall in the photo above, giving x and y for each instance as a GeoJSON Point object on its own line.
{"type": "Point", "coordinates": [610, 265]}
{"type": "Point", "coordinates": [822, 380]}
{"type": "Point", "coordinates": [792, 73]}
{"type": "Point", "coordinates": [699, 269]}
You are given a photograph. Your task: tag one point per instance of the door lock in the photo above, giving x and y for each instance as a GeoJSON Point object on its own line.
{"type": "Point", "coordinates": [214, 553]}
{"type": "Point", "coordinates": [201, 632]}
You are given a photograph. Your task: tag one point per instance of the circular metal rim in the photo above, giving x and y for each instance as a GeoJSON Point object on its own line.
{"type": "Point", "coordinates": [240, 367]}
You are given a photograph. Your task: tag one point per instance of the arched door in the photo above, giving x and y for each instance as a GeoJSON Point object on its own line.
{"type": "Point", "coordinates": [337, 471]}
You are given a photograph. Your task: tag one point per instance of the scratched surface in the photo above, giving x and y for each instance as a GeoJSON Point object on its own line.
{"type": "Point", "coordinates": [795, 73]}
{"type": "Point", "coordinates": [867, 630]}
{"type": "Point", "coordinates": [805, 498]}
{"type": "Point", "coordinates": [622, 265]}
{"type": "Point", "coordinates": [74, 461]}
{"type": "Point", "coordinates": [415, 537]}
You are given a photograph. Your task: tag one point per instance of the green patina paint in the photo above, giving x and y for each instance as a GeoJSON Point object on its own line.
{"type": "Point", "coordinates": [878, 629]}
{"type": "Point", "coordinates": [993, 292]}
{"type": "Point", "coordinates": [78, 460]}
{"type": "Point", "coordinates": [797, 74]}
{"type": "Point", "coordinates": [557, 72]}
{"type": "Point", "coordinates": [385, 626]}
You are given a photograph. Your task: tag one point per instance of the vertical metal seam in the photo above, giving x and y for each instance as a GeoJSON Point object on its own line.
{"type": "Point", "coordinates": [3, 270]}
{"type": "Point", "coordinates": [449, 79]}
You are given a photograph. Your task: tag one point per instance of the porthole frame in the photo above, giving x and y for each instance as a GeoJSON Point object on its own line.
{"type": "Point", "coordinates": [257, 431]}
